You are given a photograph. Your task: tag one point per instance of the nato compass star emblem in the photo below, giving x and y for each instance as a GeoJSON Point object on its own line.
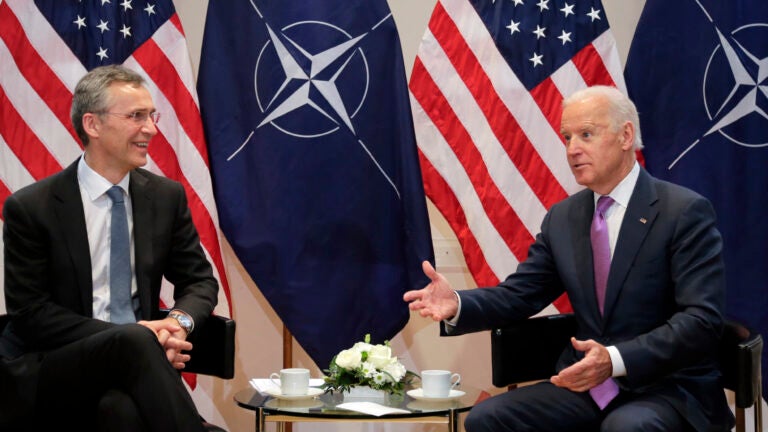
{"type": "Point", "coordinates": [742, 106]}
{"type": "Point", "coordinates": [323, 82]}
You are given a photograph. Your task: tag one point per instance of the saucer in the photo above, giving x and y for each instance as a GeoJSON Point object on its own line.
{"type": "Point", "coordinates": [418, 394]}
{"type": "Point", "coordinates": [311, 392]}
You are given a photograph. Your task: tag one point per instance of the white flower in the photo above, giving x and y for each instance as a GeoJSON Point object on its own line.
{"type": "Point", "coordinates": [379, 378]}
{"type": "Point", "coordinates": [362, 347]}
{"type": "Point", "coordinates": [368, 369]}
{"type": "Point", "coordinates": [349, 359]}
{"type": "Point", "coordinates": [396, 369]}
{"type": "Point", "coordinates": [380, 356]}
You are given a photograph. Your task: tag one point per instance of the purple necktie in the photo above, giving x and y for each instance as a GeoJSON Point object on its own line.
{"type": "Point", "coordinates": [603, 393]}
{"type": "Point", "coordinates": [601, 248]}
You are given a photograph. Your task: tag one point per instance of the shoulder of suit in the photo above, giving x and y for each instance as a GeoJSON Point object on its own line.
{"type": "Point", "coordinates": [669, 190]}
{"type": "Point", "coordinates": [155, 180]}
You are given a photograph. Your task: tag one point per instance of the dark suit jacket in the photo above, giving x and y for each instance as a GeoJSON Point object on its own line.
{"type": "Point", "coordinates": [664, 296]}
{"type": "Point", "coordinates": [48, 283]}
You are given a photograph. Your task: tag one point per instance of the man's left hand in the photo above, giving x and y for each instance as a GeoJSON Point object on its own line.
{"type": "Point", "coordinates": [173, 339]}
{"type": "Point", "coordinates": [590, 371]}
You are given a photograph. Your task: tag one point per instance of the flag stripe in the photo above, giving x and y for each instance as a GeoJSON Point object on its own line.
{"type": "Point", "coordinates": [593, 72]}
{"type": "Point", "coordinates": [466, 202]}
{"type": "Point", "coordinates": [515, 96]}
{"type": "Point", "coordinates": [24, 143]}
{"type": "Point", "coordinates": [502, 122]}
{"type": "Point", "coordinates": [13, 174]}
{"type": "Point", "coordinates": [156, 65]}
{"type": "Point", "coordinates": [47, 42]}
{"type": "Point", "coordinates": [35, 69]}
{"type": "Point", "coordinates": [436, 186]}
{"type": "Point", "coordinates": [501, 168]}
{"type": "Point", "coordinates": [500, 214]}
{"type": "Point", "coordinates": [20, 97]}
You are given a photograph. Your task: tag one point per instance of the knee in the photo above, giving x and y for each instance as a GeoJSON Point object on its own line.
{"type": "Point", "coordinates": [631, 424]}
{"type": "Point", "coordinates": [484, 417]}
{"type": "Point", "coordinates": [134, 344]}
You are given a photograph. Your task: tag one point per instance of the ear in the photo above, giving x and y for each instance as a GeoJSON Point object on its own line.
{"type": "Point", "coordinates": [627, 135]}
{"type": "Point", "coordinates": [91, 125]}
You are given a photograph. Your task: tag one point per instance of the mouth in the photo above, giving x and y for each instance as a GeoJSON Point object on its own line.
{"type": "Point", "coordinates": [144, 144]}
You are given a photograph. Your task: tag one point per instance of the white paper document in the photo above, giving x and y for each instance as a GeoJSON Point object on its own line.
{"type": "Point", "coordinates": [371, 408]}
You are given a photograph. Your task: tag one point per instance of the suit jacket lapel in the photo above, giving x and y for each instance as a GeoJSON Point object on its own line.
{"type": "Point", "coordinates": [68, 209]}
{"type": "Point", "coordinates": [581, 213]}
{"type": "Point", "coordinates": [141, 202]}
{"type": "Point", "coordinates": [638, 220]}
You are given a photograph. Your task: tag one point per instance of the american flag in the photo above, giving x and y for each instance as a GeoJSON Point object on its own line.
{"type": "Point", "coordinates": [46, 46]}
{"type": "Point", "coordinates": [485, 89]}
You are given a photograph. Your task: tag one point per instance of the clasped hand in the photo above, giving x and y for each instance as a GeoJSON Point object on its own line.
{"type": "Point", "coordinates": [172, 338]}
{"type": "Point", "coordinates": [588, 372]}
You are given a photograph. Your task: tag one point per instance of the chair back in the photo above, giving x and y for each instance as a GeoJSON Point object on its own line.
{"type": "Point", "coordinates": [740, 356]}
{"type": "Point", "coordinates": [529, 350]}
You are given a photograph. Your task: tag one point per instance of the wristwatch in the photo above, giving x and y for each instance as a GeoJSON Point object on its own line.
{"type": "Point", "coordinates": [184, 321]}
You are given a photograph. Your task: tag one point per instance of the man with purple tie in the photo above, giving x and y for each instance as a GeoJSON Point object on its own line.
{"type": "Point", "coordinates": [640, 260]}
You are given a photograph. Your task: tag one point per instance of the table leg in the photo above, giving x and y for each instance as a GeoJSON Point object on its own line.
{"type": "Point", "coordinates": [259, 420]}
{"type": "Point", "coordinates": [453, 421]}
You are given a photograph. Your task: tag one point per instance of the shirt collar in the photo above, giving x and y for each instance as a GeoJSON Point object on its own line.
{"type": "Point", "coordinates": [623, 191]}
{"type": "Point", "coordinates": [93, 183]}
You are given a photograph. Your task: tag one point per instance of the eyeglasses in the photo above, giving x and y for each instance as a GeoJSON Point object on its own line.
{"type": "Point", "coordinates": [137, 116]}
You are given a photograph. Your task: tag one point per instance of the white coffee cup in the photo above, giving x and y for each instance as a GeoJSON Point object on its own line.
{"type": "Point", "coordinates": [438, 383]}
{"type": "Point", "coordinates": [293, 381]}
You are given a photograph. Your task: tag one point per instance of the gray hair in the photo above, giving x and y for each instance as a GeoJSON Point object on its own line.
{"type": "Point", "coordinates": [621, 107]}
{"type": "Point", "coordinates": [91, 93]}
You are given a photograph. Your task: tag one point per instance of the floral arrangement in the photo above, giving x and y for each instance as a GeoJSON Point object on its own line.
{"type": "Point", "coordinates": [367, 365]}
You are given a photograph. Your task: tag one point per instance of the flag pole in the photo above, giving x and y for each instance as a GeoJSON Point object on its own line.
{"type": "Point", "coordinates": [287, 348]}
{"type": "Point", "coordinates": [287, 360]}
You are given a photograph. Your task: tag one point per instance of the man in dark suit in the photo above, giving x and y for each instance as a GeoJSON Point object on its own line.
{"type": "Point", "coordinates": [62, 351]}
{"type": "Point", "coordinates": [643, 356]}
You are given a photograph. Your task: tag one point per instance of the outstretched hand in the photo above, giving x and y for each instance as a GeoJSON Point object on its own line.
{"type": "Point", "coordinates": [436, 300]}
{"type": "Point", "coordinates": [588, 372]}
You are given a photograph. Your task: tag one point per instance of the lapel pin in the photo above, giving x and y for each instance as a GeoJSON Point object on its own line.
{"type": "Point", "coordinates": [643, 220]}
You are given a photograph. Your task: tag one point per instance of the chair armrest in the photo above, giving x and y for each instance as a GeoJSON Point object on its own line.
{"type": "Point", "coordinates": [529, 350]}
{"type": "Point", "coordinates": [213, 347]}
{"type": "Point", "coordinates": [740, 356]}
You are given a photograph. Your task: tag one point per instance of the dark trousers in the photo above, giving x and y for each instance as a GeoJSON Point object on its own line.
{"type": "Point", "coordinates": [116, 380]}
{"type": "Point", "coordinates": [545, 407]}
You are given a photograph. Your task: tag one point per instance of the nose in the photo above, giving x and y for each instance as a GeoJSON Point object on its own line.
{"type": "Point", "coordinates": [149, 126]}
{"type": "Point", "coordinates": [573, 146]}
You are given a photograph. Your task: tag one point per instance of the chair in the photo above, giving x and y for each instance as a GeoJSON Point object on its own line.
{"type": "Point", "coordinates": [544, 338]}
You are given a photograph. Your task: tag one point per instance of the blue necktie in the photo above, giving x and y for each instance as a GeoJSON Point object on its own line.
{"type": "Point", "coordinates": [120, 305]}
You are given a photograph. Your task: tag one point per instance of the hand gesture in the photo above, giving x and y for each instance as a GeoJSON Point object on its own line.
{"type": "Point", "coordinates": [436, 300]}
{"type": "Point", "coordinates": [588, 372]}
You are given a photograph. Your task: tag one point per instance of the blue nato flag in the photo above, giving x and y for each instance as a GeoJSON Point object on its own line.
{"type": "Point", "coordinates": [697, 72]}
{"type": "Point", "coordinates": [314, 163]}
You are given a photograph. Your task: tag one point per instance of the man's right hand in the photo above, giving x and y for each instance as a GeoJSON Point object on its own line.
{"type": "Point", "coordinates": [436, 300]}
